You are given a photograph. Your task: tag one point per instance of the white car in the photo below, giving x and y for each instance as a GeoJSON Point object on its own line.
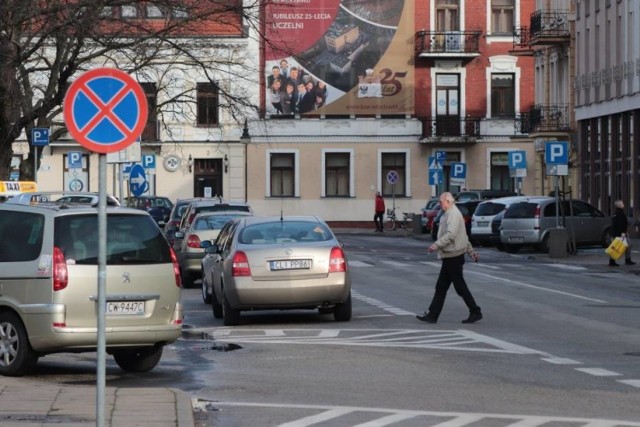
{"type": "Point", "coordinates": [484, 214]}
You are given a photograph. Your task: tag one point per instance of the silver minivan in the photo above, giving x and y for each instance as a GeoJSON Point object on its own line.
{"type": "Point", "coordinates": [484, 214]}
{"type": "Point", "coordinates": [48, 285]}
{"type": "Point", "coordinates": [527, 223]}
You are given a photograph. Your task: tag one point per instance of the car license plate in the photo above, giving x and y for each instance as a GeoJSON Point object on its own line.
{"type": "Point", "coordinates": [483, 223]}
{"type": "Point", "coordinates": [291, 264]}
{"type": "Point", "coordinates": [516, 239]}
{"type": "Point", "coordinates": [125, 307]}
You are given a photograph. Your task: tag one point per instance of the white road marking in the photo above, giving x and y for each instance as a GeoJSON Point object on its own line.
{"type": "Point", "coordinates": [374, 315]}
{"type": "Point", "coordinates": [389, 416]}
{"type": "Point", "coordinates": [527, 285]}
{"type": "Point", "coordinates": [561, 361]}
{"type": "Point", "coordinates": [632, 383]}
{"type": "Point", "coordinates": [356, 263]}
{"type": "Point", "coordinates": [598, 372]}
{"type": "Point", "coordinates": [565, 266]}
{"type": "Point", "coordinates": [394, 263]}
{"type": "Point", "coordinates": [431, 263]}
{"type": "Point", "coordinates": [379, 304]}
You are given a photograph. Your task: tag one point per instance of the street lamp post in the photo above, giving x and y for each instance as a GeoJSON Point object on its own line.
{"type": "Point", "coordinates": [245, 139]}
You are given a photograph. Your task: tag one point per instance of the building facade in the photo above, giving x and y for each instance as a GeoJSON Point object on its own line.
{"type": "Point", "coordinates": [607, 107]}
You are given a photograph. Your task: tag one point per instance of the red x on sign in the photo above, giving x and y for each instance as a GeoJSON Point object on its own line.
{"type": "Point", "coordinates": [105, 110]}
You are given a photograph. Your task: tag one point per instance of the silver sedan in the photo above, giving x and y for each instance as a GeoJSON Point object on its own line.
{"type": "Point", "coordinates": [261, 263]}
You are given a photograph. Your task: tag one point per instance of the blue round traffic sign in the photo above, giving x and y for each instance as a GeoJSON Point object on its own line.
{"type": "Point", "coordinates": [138, 180]}
{"type": "Point", "coordinates": [105, 110]}
{"type": "Point", "coordinates": [392, 177]}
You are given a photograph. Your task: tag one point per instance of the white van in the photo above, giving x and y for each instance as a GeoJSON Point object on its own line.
{"type": "Point", "coordinates": [484, 214]}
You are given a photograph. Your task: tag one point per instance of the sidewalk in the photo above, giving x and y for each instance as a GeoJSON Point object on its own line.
{"type": "Point", "coordinates": [30, 403]}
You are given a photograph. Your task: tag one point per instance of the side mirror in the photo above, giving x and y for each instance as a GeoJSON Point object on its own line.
{"type": "Point", "coordinates": [213, 249]}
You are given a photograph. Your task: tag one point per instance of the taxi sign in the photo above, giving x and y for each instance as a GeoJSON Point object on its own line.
{"type": "Point", "coordinates": [105, 110]}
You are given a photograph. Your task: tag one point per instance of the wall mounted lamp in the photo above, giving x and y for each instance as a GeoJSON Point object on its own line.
{"type": "Point", "coordinates": [226, 164]}
{"type": "Point", "coordinates": [190, 163]}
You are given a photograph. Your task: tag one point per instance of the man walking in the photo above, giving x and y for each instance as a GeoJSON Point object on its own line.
{"type": "Point", "coordinates": [452, 244]}
{"type": "Point", "coordinates": [379, 212]}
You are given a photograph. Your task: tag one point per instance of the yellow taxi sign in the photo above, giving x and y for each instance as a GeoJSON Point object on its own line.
{"type": "Point", "coordinates": [9, 189]}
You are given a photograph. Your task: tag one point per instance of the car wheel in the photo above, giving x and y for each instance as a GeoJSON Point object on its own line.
{"type": "Point", "coordinates": [544, 246]}
{"type": "Point", "coordinates": [231, 316]}
{"type": "Point", "coordinates": [206, 296]}
{"type": "Point", "coordinates": [606, 238]}
{"type": "Point", "coordinates": [216, 306]}
{"type": "Point", "coordinates": [187, 281]}
{"type": "Point", "coordinates": [500, 246]}
{"type": "Point", "coordinates": [342, 312]}
{"type": "Point", "coordinates": [16, 355]}
{"type": "Point", "coordinates": [139, 360]}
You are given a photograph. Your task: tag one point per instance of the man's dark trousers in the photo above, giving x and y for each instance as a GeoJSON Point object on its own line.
{"type": "Point", "coordinates": [451, 271]}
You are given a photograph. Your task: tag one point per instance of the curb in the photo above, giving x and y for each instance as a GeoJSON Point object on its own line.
{"type": "Point", "coordinates": [184, 408]}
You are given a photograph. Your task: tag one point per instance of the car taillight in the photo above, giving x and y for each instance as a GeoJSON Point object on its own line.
{"type": "Point", "coordinates": [60, 272]}
{"type": "Point", "coordinates": [537, 212]}
{"type": "Point", "coordinates": [193, 241]}
{"type": "Point", "coordinates": [176, 267]}
{"type": "Point", "coordinates": [337, 263]}
{"type": "Point", "coordinates": [240, 265]}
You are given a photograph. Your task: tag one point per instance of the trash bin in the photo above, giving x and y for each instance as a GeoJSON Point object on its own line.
{"type": "Point", "coordinates": [558, 240]}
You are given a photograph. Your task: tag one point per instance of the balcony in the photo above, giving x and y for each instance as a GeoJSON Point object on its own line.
{"type": "Point", "coordinates": [450, 129]}
{"type": "Point", "coordinates": [447, 44]}
{"type": "Point", "coordinates": [549, 28]}
{"type": "Point", "coordinates": [521, 38]}
{"type": "Point", "coordinates": [545, 120]}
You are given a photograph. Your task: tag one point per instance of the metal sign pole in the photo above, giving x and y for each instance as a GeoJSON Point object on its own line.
{"type": "Point", "coordinates": [556, 189]}
{"type": "Point", "coordinates": [35, 163]}
{"type": "Point", "coordinates": [102, 276]}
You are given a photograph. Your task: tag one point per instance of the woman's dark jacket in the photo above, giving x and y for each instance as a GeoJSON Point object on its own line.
{"type": "Point", "coordinates": [619, 223]}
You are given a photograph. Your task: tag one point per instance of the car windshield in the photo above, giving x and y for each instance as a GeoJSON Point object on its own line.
{"type": "Point", "coordinates": [285, 232]}
{"type": "Point", "coordinates": [521, 210]}
{"type": "Point", "coordinates": [131, 239]}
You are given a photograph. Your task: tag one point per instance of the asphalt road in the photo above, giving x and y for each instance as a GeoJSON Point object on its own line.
{"type": "Point", "coordinates": [559, 344]}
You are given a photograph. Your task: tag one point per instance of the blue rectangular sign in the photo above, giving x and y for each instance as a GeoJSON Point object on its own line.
{"type": "Point", "coordinates": [40, 137]}
{"type": "Point", "coordinates": [74, 159]}
{"type": "Point", "coordinates": [459, 170]}
{"type": "Point", "coordinates": [435, 176]}
{"type": "Point", "coordinates": [556, 153]}
{"type": "Point", "coordinates": [517, 160]}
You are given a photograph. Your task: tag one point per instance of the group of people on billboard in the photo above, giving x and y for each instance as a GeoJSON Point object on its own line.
{"type": "Point", "coordinates": [293, 91]}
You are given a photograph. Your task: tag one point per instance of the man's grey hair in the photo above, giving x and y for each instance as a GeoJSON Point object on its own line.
{"type": "Point", "coordinates": [448, 197]}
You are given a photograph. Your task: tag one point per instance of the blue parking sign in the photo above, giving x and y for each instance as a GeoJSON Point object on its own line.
{"type": "Point", "coordinates": [556, 153]}
{"type": "Point", "coordinates": [517, 160]}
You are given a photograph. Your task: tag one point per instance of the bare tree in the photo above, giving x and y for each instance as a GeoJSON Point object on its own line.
{"type": "Point", "coordinates": [45, 44]}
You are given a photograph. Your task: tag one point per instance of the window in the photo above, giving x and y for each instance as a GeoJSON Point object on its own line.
{"type": "Point", "coordinates": [282, 171]}
{"type": "Point", "coordinates": [502, 16]}
{"type": "Point", "coordinates": [207, 98]}
{"type": "Point", "coordinates": [396, 162]}
{"type": "Point", "coordinates": [447, 15]}
{"type": "Point", "coordinates": [150, 132]}
{"type": "Point", "coordinates": [500, 177]}
{"type": "Point", "coordinates": [502, 95]}
{"type": "Point", "coordinates": [179, 13]}
{"type": "Point", "coordinates": [21, 236]}
{"type": "Point", "coordinates": [337, 174]}
{"type": "Point", "coordinates": [154, 11]}
{"type": "Point", "coordinates": [129, 11]}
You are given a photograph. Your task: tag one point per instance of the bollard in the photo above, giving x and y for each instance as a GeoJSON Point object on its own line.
{"type": "Point", "coordinates": [558, 240]}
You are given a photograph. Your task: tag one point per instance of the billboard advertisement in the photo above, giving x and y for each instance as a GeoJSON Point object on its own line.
{"type": "Point", "coordinates": [339, 57]}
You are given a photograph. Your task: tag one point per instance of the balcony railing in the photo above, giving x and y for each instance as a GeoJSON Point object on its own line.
{"type": "Point", "coordinates": [451, 44]}
{"type": "Point", "coordinates": [546, 118]}
{"type": "Point", "coordinates": [521, 39]}
{"type": "Point", "coordinates": [451, 127]}
{"type": "Point", "coordinates": [549, 26]}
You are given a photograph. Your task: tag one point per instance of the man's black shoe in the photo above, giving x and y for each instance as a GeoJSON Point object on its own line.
{"type": "Point", "coordinates": [424, 317]}
{"type": "Point", "coordinates": [629, 262]}
{"type": "Point", "coordinates": [473, 317]}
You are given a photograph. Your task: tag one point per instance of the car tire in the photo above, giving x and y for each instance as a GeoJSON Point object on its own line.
{"type": "Point", "coordinates": [500, 246]}
{"type": "Point", "coordinates": [216, 306]}
{"type": "Point", "coordinates": [231, 316]}
{"type": "Point", "coordinates": [544, 246]}
{"type": "Point", "coordinates": [342, 311]}
{"type": "Point", "coordinates": [187, 281]}
{"type": "Point", "coordinates": [606, 238]}
{"type": "Point", "coordinates": [139, 360]}
{"type": "Point", "coordinates": [16, 355]}
{"type": "Point", "coordinates": [206, 296]}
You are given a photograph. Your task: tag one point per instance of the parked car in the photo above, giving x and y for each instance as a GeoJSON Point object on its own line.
{"type": "Point", "coordinates": [466, 195]}
{"type": "Point", "coordinates": [484, 214]}
{"type": "Point", "coordinates": [207, 205]}
{"type": "Point", "coordinates": [158, 207]}
{"type": "Point", "coordinates": [267, 263]}
{"type": "Point", "coordinates": [48, 277]}
{"type": "Point", "coordinates": [61, 198]}
{"type": "Point", "coordinates": [428, 213]}
{"type": "Point", "coordinates": [528, 223]}
{"type": "Point", "coordinates": [205, 226]}
{"type": "Point", "coordinates": [466, 209]}
{"type": "Point", "coordinates": [175, 216]}
{"type": "Point", "coordinates": [496, 223]}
